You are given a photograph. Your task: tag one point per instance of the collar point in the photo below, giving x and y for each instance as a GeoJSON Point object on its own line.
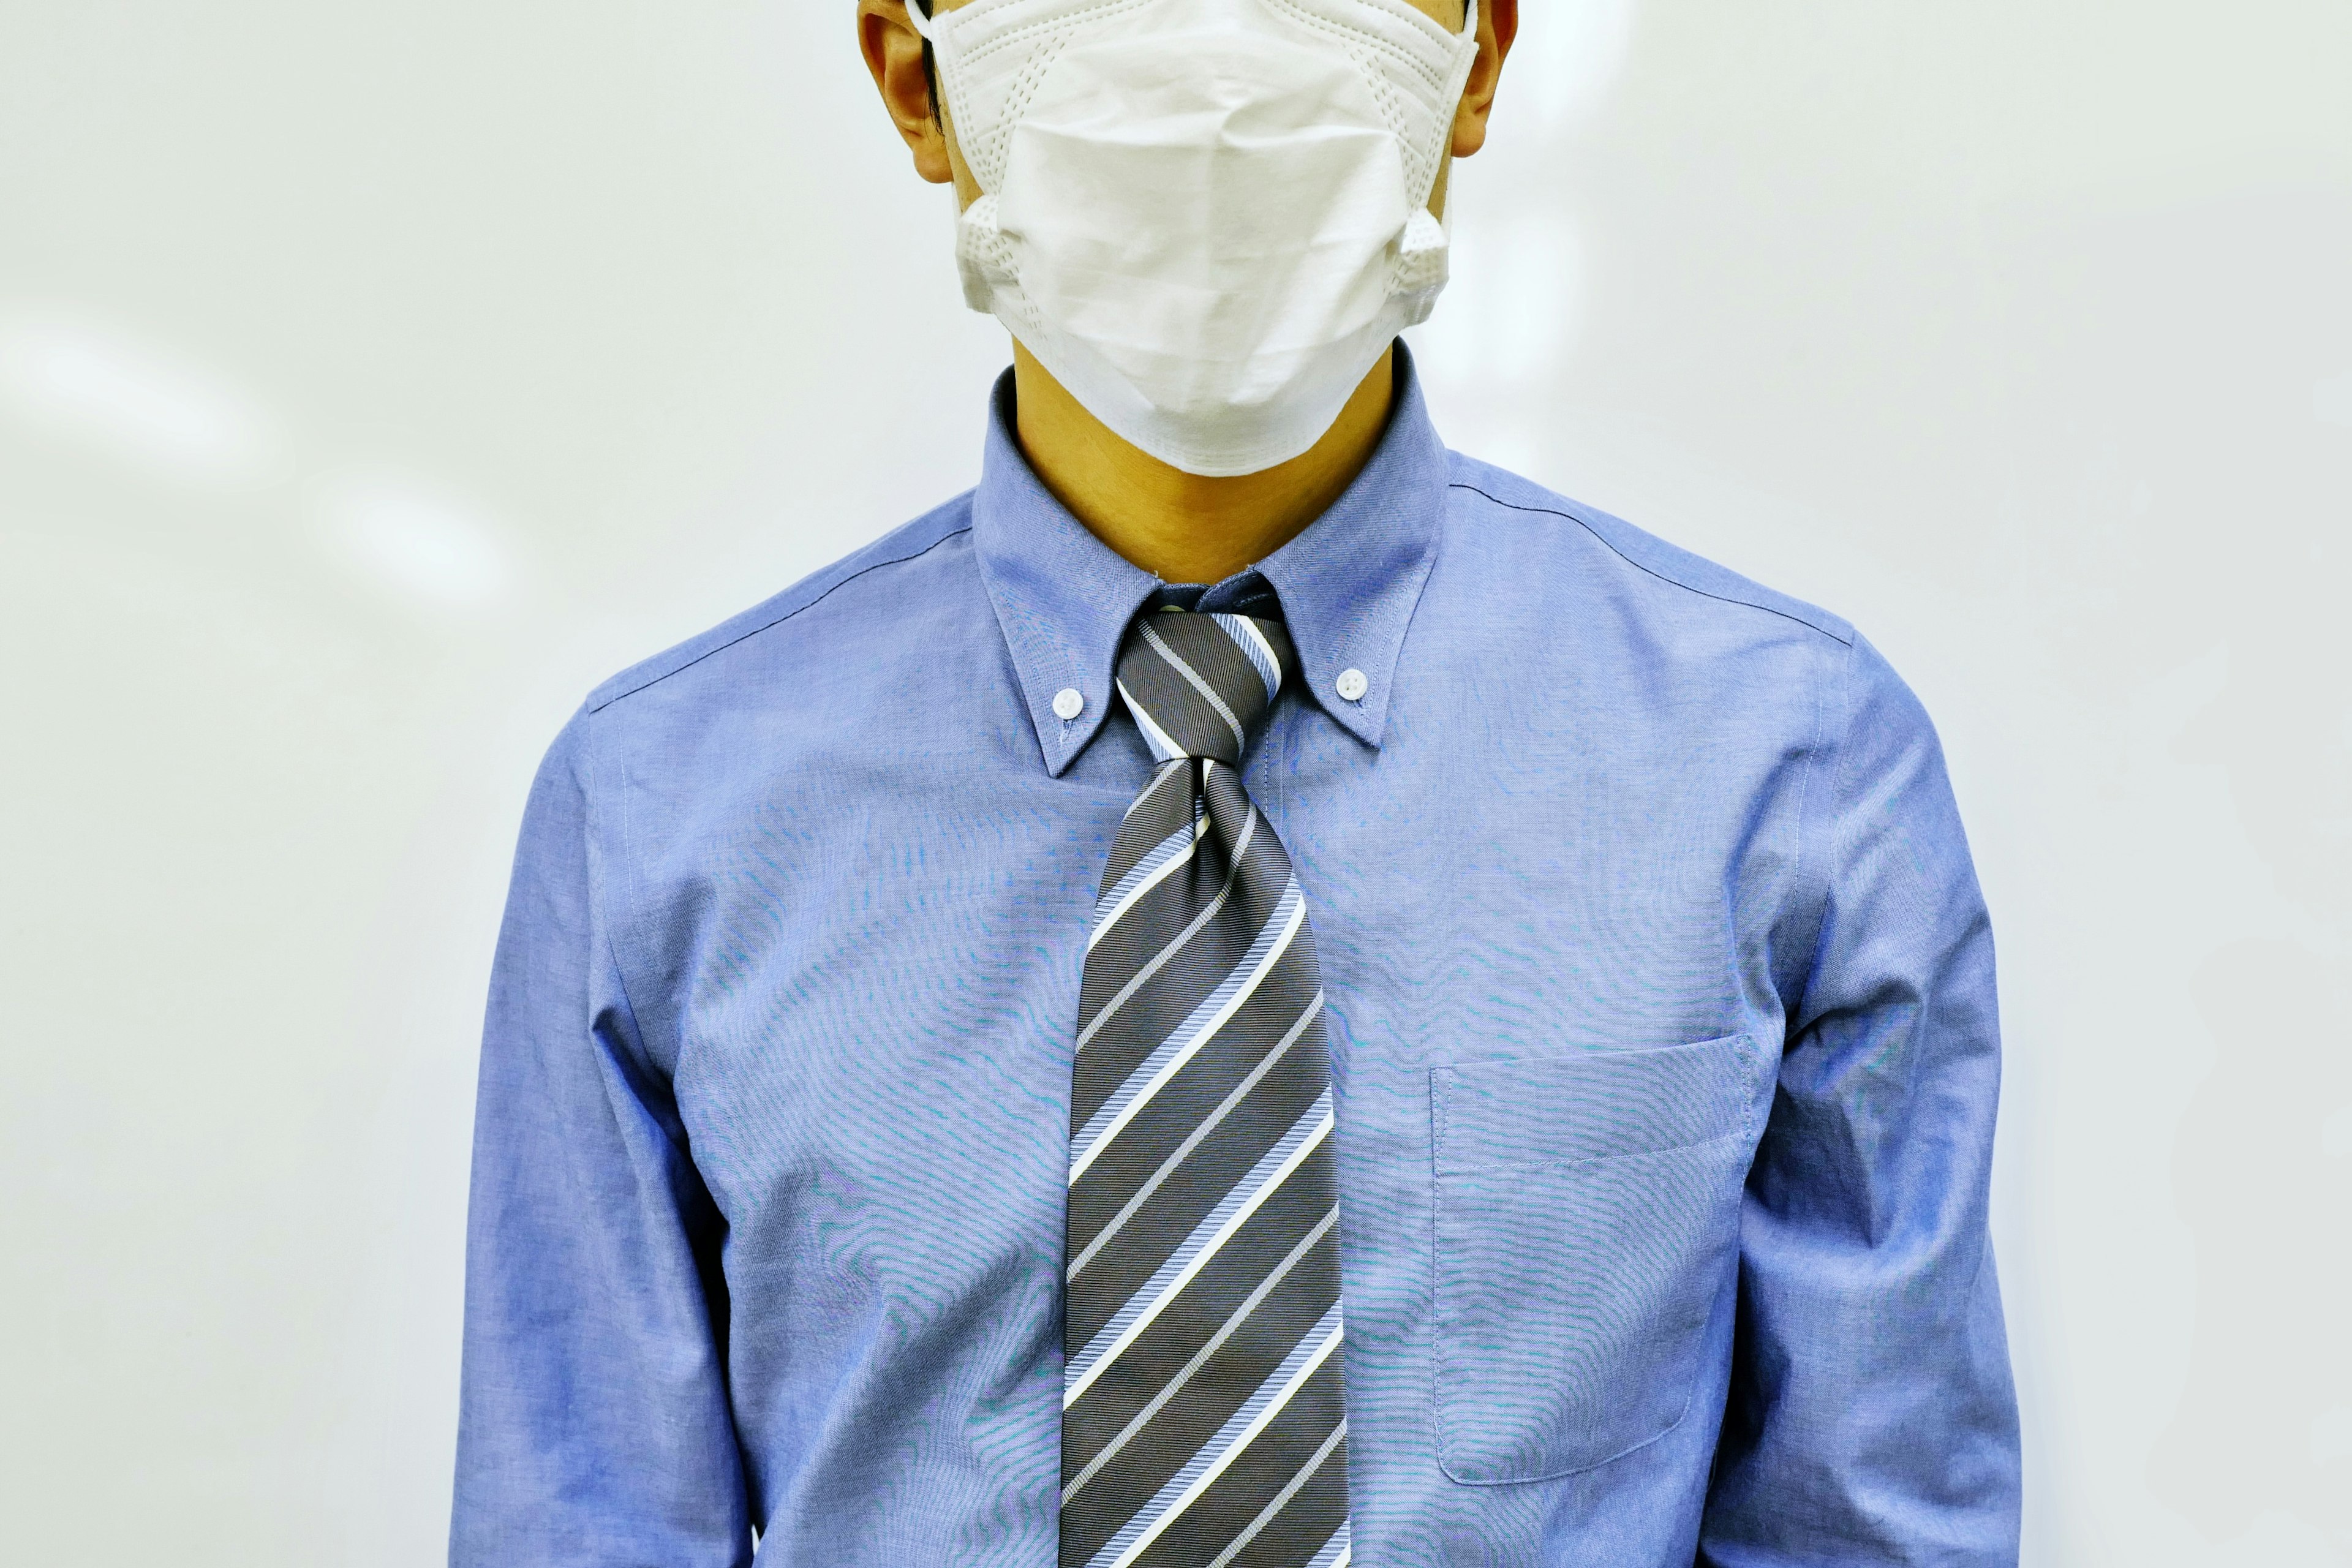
{"type": "Point", "coordinates": [1363, 720]}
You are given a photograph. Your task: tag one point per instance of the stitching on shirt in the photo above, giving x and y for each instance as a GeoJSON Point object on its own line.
{"type": "Point", "coordinates": [1743, 1052]}
{"type": "Point", "coordinates": [1642, 566]}
{"type": "Point", "coordinates": [641, 1063]}
{"type": "Point", "coordinates": [1440, 1340]}
{"type": "Point", "coordinates": [1832, 833]}
{"type": "Point", "coordinates": [1596, 1162]}
{"type": "Point", "coordinates": [1813, 883]}
{"type": "Point", "coordinates": [770, 626]}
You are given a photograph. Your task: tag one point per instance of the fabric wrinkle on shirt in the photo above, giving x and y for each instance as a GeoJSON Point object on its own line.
{"type": "Point", "coordinates": [1663, 1031]}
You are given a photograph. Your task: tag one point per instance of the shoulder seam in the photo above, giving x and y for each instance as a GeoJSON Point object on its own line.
{"type": "Point", "coordinates": [1645, 567]}
{"type": "Point", "coordinates": [596, 705]}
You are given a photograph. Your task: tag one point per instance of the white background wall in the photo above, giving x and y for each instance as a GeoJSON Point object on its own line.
{"type": "Point", "coordinates": [374, 380]}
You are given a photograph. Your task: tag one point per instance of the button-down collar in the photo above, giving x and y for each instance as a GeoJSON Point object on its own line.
{"type": "Point", "coordinates": [1349, 583]}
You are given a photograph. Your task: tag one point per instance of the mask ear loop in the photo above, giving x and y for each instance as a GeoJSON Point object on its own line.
{"type": "Point", "coordinates": [1458, 82]}
{"type": "Point", "coordinates": [1469, 37]}
{"type": "Point", "coordinates": [1470, 41]}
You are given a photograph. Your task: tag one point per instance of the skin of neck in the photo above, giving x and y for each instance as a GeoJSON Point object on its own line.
{"type": "Point", "coordinates": [1180, 527]}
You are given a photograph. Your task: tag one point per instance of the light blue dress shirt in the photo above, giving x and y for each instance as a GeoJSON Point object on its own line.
{"type": "Point", "coordinates": [1664, 1036]}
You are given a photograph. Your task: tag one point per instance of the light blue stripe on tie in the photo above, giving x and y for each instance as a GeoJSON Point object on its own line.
{"type": "Point", "coordinates": [1255, 648]}
{"type": "Point", "coordinates": [1167, 858]}
{"type": "Point", "coordinates": [1199, 1472]}
{"type": "Point", "coordinates": [1305, 1137]}
{"type": "Point", "coordinates": [1281, 929]}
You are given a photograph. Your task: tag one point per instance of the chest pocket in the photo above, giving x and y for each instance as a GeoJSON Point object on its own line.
{"type": "Point", "coordinates": [1587, 1218]}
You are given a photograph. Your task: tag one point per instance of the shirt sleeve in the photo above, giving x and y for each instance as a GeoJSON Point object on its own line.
{"type": "Point", "coordinates": [595, 1426]}
{"type": "Point", "coordinates": [1871, 1416]}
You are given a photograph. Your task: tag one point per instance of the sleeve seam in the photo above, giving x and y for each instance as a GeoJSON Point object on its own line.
{"type": "Point", "coordinates": [1832, 769]}
{"type": "Point", "coordinates": [601, 919]}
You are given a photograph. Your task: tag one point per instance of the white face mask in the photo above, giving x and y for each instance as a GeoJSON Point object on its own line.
{"type": "Point", "coordinates": [1207, 218]}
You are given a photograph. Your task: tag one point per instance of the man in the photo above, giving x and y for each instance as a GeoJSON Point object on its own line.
{"type": "Point", "coordinates": [1253, 991]}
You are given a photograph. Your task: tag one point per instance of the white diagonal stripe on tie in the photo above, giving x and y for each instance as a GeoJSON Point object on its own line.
{"type": "Point", "coordinates": [1247, 1196]}
{"type": "Point", "coordinates": [1193, 1140]}
{"type": "Point", "coordinates": [1167, 858]}
{"type": "Point", "coordinates": [1173, 1316]}
{"type": "Point", "coordinates": [1208, 692]}
{"type": "Point", "coordinates": [1282, 1498]}
{"type": "Point", "coordinates": [1196, 1031]}
{"type": "Point", "coordinates": [1215, 1342]}
{"type": "Point", "coordinates": [1144, 975]}
{"type": "Point", "coordinates": [1206, 1466]}
{"type": "Point", "coordinates": [1243, 630]}
{"type": "Point", "coordinates": [1162, 747]}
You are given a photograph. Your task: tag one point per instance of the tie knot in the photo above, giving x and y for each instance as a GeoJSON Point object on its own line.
{"type": "Point", "coordinates": [1199, 684]}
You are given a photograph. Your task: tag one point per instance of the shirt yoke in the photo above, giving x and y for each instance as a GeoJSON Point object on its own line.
{"type": "Point", "coordinates": [1644, 552]}
{"type": "Point", "coordinates": [1495, 487]}
{"type": "Point", "coordinates": [901, 545]}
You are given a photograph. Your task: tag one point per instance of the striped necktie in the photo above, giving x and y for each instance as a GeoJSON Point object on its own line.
{"type": "Point", "coordinates": [1201, 1414]}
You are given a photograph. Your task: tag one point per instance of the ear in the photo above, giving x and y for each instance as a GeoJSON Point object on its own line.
{"type": "Point", "coordinates": [1498, 25]}
{"type": "Point", "coordinates": [894, 57]}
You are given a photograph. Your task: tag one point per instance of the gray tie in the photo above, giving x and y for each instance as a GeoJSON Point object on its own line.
{"type": "Point", "coordinates": [1202, 1418]}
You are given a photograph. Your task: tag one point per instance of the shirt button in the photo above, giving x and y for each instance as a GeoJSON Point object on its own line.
{"type": "Point", "coordinates": [1068, 704]}
{"type": "Point", "coordinates": [1352, 685]}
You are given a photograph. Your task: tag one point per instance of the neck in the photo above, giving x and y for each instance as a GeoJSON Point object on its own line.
{"type": "Point", "coordinates": [1179, 527]}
